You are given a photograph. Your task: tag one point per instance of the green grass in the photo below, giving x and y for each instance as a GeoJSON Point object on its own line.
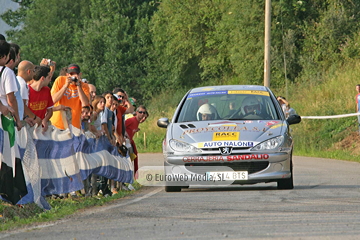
{"type": "Point", "coordinates": [13, 217]}
{"type": "Point", "coordinates": [333, 95]}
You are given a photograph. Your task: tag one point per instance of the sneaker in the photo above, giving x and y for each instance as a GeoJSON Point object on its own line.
{"type": "Point", "coordinates": [73, 195]}
{"type": "Point", "coordinates": [124, 187]}
{"type": "Point", "coordinates": [131, 187]}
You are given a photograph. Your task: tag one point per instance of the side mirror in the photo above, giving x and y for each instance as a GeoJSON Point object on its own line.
{"type": "Point", "coordinates": [163, 122]}
{"type": "Point", "coordinates": [293, 119]}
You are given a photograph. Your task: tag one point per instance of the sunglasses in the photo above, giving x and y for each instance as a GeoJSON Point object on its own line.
{"type": "Point", "coordinates": [141, 112]}
{"type": "Point", "coordinates": [121, 96]}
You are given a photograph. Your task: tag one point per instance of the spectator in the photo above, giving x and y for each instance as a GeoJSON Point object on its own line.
{"type": "Point", "coordinates": [71, 92]}
{"type": "Point", "coordinates": [114, 106]}
{"type": "Point", "coordinates": [92, 90]}
{"type": "Point", "coordinates": [146, 115]}
{"type": "Point", "coordinates": [2, 37]}
{"type": "Point", "coordinates": [63, 71]}
{"type": "Point", "coordinates": [14, 59]}
{"type": "Point", "coordinates": [85, 126]}
{"type": "Point", "coordinates": [98, 106]}
{"type": "Point", "coordinates": [8, 85]}
{"type": "Point", "coordinates": [107, 118]}
{"type": "Point", "coordinates": [4, 52]}
{"type": "Point", "coordinates": [132, 101]}
{"type": "Point", "coordinates": [24, 77]}
{"type": "Point", "coordinates": [123, 108]}
{"type": "Point", "coordinates": [85, 118]}
{"type": "Point", "coordinates": [285, 105]}
{"type": "Point", "coordinates": [40, 100]}
{"type": "Point", "coordinates": [132, 126]}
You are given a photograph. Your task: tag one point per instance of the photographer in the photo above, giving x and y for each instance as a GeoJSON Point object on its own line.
{"type": "Point", "coordinates": [71, 92]}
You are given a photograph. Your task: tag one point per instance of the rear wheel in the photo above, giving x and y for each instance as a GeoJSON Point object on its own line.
{"type": "Point", "coordinates": [287, 183]}
{"type": "Point", "coordinates": [172, 189]}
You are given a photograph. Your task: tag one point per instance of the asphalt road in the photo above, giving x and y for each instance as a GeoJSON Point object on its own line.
{"type": "Point", "coordinates": [325, 204]}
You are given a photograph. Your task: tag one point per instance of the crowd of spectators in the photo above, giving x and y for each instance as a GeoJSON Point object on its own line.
{"type": "Point", "coordinates": [71, 100]}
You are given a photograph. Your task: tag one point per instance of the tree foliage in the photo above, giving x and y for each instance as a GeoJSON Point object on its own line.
{"type": "Point", "coordinates": [149, 46]}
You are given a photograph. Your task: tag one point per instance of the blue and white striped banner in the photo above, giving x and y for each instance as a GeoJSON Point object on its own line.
{"type": "Point", "coordinates": [65, 158]}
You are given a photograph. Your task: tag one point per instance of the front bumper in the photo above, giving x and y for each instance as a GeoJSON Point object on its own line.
{"type": "Point", "coordinates": [264, 167]}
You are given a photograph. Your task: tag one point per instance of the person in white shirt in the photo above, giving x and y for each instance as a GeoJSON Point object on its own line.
{"type": "Point", "coordinates": [8, 85]}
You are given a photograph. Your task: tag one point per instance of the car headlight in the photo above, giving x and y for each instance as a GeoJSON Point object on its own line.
{"type": "Point", "coordinates": [182, 146]}
{"type": "Point", "coordinates": [269, 144]}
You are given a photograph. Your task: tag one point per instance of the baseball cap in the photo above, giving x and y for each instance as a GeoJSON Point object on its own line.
{"type": "Point", "coordinates": [73, 68]}
{"type": "Point", "coordinates": [117, 96]}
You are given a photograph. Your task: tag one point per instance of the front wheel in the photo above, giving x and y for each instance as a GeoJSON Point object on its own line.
{"type": "Point", "coordinates": [287, 183]}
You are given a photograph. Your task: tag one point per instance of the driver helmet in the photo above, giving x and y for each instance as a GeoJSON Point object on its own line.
{"type": "Point", "coordinates": [250, 105]}
{"type": "Point", "coordinates": [206, 109]}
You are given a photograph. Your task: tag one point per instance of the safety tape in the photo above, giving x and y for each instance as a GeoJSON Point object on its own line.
{"type": "Point", "coordinates": [329, 117]}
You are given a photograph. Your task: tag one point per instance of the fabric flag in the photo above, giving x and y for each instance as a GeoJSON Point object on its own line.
{"type": "Point", "coordinates": [31, 168]}
{"type": "Point", "coordinates": [12, 180]}
{"type": "Point", "coordinates": [57, 161]}
{"type": "Point", "coordinates": [98, 156]}
{"type": "Point", "coordinates": [67, 157]}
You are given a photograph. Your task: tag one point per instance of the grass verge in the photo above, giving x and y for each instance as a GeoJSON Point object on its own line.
{"type": "Point", "coordinates": [12, 217]}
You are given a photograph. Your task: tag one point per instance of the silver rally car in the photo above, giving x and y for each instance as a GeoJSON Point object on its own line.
{"type": "Point", "coordinates": [231, 134]}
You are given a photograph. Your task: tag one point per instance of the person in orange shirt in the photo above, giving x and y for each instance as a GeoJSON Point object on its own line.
{"type": "Point", "coordinates": [71, 92]}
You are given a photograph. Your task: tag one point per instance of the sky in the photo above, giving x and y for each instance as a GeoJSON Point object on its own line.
{"type": "Point", "coordinates": [4, 6]}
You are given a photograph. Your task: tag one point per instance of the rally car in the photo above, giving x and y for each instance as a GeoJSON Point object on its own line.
{"type": "Point", "coordinates": [230, 134]}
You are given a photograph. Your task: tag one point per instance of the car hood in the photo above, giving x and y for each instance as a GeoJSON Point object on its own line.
{"type": "Point", "coordinates": [238, 133]}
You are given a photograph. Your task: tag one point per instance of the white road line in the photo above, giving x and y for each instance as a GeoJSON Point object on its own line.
{"type": "Point", "coordinates": [87, 212]}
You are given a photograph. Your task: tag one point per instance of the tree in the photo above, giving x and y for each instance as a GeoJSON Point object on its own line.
{"type": "Point", "coordinates": [48, 30]}
{"type": "Point", "coordinates": [115, 44]}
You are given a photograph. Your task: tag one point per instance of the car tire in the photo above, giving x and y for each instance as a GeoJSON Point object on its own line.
{"type": "Point", "coordinates": [172, 189]}
{"type": "Point", "coordinates": [287, 183]}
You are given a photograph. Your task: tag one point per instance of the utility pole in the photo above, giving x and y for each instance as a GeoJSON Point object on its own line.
{"type": "Point", "coordinates": [267, 43]}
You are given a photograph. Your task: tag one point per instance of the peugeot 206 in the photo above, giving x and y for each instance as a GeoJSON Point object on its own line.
{"type": "Point", "coordinates": [226, 135]}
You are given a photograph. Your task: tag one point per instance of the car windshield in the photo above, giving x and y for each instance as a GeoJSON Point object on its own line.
{"type": "Point", "coordinates": [228, 105]}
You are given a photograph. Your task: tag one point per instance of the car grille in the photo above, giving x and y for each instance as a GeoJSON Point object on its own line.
{"type": "Point", "coordinates": [217, 149]}
{"type": "Point", "coordinates": [250, 167]}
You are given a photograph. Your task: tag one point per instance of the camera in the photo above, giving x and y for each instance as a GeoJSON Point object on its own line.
{"type": "Point", "coordinates": [49, 62]}
{"type": "Point", "coordinates": [74, 79]}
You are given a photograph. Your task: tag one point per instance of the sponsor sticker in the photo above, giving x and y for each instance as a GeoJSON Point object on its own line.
{"type": "Point", "coordinates": [270, 123]}
{"type": "Point", "coordinates": [223, 136]}
{"type": "Point", "coordinates": [231, 158]}
{"type": "Point", "coordinates": [225, 144]}
{"type": "Point", "coordinates": [277, 125]}
{"type": "Point", "coordinates": [209, 93]}
{"type": "Point", "coordinates": [262, 93]}
{"type": "Point", "coordinates": [223, 128]}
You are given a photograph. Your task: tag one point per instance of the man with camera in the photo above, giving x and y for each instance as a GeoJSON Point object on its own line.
{"type": "Point", "coordinates": [71, 92]}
